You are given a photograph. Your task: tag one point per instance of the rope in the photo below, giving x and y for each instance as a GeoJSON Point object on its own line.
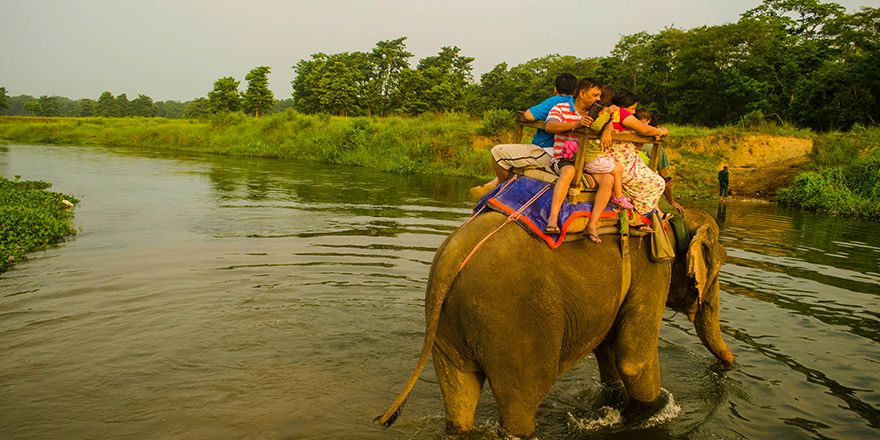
{"type": "Point", "coordinates": [500, 191]}
{"type": "Point", "coordinates": [512, 217]}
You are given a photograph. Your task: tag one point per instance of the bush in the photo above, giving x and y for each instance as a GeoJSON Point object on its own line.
{"type": "Point", "coordinates": [853, 189]}
{"type": "Point", "coordinates": [30, 218]}
{"type": "Point", "coordinates": [496, 122]}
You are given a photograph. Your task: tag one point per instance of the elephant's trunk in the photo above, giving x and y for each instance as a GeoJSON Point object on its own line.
{"type": "Point", "coordinates": [708, 325]}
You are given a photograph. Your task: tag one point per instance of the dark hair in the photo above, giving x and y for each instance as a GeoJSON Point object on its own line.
{"type": "Point", "coordinates": [586, 84]}
{"type": "Point", "coordinates": [607, 93]}
{"type": "Point", "coordinates": [565, 83]}
{"type": "Point", "coordinates": [642, 114]}
{"type": "Point", "coordinates": [624, 98]}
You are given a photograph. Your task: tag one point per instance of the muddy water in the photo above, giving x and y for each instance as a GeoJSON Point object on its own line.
{"type": "Point", "coordinates": [209, 297]}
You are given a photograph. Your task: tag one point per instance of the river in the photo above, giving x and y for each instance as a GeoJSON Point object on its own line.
{"type": "Point", "coordinates": [232, 298]}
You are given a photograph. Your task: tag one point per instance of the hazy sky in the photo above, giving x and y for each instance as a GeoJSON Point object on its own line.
{"type": "Point", "coordinates": [176, 49]}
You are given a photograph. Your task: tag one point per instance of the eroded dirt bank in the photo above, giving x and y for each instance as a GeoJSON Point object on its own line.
{"type": "Point", "coordinates": [759, 164]}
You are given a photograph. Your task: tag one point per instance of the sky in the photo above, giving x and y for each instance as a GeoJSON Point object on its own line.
{"type": "Point", "coordinates": [176, 49]}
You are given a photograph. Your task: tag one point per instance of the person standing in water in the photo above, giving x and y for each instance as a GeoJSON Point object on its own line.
{"type": "Point", "coordinates": [723, 182]}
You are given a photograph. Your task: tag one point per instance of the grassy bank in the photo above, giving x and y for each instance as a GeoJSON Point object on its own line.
{"type": "Point", "coordinates": [843, 176]}
{"type": "Point", "coordinates": [430, 144]}
{"type": "Point", "coordinates": [456, 145]}
{"type": "Point", "coordinates": [31, 218]}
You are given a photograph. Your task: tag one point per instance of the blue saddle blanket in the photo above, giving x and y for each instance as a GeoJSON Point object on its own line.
{"type": "Point", "coordinates": [516, 194]}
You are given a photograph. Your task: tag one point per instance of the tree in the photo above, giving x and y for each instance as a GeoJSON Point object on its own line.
{"type": "Point", "coordinates": [169, 109]}
{"type": "Point", "coordinates": [143, 106]}
{"type": "Point", "coordinates": [283, 104]}
{"type": "Point", "coordinates": [332, 84]}
{"type": "Point", "coordinates": [123, 106]}
{"type": "Point", "coordinates": [49, 106]}
{"type": "Point", "coordinates": [106, 106]}
{"type": "Point", "coordinates": [338, 89]}
{"type": "Point", "coordinates": [444, 80]}
{"type": "Point", "coordinates": [497, 89]}
{"type": "Point", "coordinates": [197, 108]}
{"type": "Point", "coordinates": [258, 98]}
{"type": "Point", "coordinates": [802, 18]}
{"type": "Point", "coordinates": [86, 107]}
{"type": "Point", "coordinates": [3, 104]}
{"type": "Point", "coordinates": [388, 60]}
{"type": "Point", "coordinates": [225, 96]}
{"type": "Point", "coordinates": [33, 107]}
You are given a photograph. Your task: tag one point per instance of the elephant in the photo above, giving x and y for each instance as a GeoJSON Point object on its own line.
{"type": "Point", "coordinates": [520, 314]}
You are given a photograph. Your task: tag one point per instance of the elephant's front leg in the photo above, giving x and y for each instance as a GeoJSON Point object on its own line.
{"type": "Point", "coordinates": [638, 330]}
{"type": "Point", "coordinates": [461, 392]}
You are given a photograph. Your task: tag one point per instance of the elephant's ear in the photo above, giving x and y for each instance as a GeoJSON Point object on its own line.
{"type": "Point", "coordinates": [704, 258]}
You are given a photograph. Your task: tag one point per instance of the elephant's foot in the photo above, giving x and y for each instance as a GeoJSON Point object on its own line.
{"type": "Point", "coordinates": [507, 436]}
{"type": "Point", "coordinates": [452, 429]}
{"type": "Point", "coordinates": [613, 395]}
{"type": "Point", "coordinates": [638, 411]}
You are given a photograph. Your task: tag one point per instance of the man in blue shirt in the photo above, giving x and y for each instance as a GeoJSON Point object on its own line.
{"type": "Point", "coordinates": [535, 155]}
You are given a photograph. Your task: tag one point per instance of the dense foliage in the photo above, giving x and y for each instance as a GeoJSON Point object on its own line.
{"type": "Point", "coordinates": [31, 218]}
{"type": "Point", "coordinates": [795, 61]}
{"type": "Point", "coordinates": [844, 175]}
{"type": "Point", "coordinates": [258, 99]}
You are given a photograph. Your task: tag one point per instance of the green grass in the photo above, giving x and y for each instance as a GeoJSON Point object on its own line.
{"type": "Point", "coordinates": [429, 144]}
{"type": "Point", "coordinates": [843, 176]}
{"type": "Point", "coordinates": [445, 144]}
{"type": "Point", "coordinates": [31, 218]}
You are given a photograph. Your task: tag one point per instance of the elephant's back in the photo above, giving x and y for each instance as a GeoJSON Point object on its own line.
{"type": "Point", "coordinates": [516, 288]}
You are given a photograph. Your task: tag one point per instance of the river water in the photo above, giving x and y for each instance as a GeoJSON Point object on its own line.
{"type": "Point", "coordinates": [226, 298]}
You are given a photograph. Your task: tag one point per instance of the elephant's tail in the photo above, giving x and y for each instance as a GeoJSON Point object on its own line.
{"type": "Point", "coordinates": [390, 416]}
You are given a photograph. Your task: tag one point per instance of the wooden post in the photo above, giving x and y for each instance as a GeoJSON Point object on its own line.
{"type": "Point", "coordinates": [518, 130]}
{"type": "Point", "coordinates": [655, 155]}
{"type": "Point", "coordinates": [576, 185]}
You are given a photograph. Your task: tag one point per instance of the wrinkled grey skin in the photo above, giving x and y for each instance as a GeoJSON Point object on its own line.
{"type": "Point", "coordinates": [521, 314]}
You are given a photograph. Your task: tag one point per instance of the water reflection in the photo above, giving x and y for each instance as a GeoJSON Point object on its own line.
{"type": "Point", "coordinates": [241, 298]}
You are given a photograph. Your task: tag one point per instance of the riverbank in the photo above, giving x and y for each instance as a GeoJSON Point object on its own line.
{"type": "Point", "coordinates": [31, 218]}
{"type": "Point", "coordinates": [764, 159]}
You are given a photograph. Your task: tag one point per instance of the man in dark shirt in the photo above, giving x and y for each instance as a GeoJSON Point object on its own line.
{"type": "Point", "coordinates": [723, 181]}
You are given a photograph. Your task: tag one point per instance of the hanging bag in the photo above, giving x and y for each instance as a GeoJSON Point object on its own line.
{"type": "Point", "coordinates": [661, 247]}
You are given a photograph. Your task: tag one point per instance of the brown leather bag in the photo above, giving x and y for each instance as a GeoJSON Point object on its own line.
{"type": "Point", "coordinates": [662, 248]}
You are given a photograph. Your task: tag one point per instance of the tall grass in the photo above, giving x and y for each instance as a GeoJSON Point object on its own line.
{"type": "Point", "coordinates": [429, 144]}
{"type": "Point", "coordinates": [452, 144]}
{"type": "Point", "coordinates": [843, 176]}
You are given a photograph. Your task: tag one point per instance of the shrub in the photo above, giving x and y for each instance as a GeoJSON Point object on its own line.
{"type": "Point", "coordinates": [30, 218]}
{"type": "Point", "coordinates": [496, 122]}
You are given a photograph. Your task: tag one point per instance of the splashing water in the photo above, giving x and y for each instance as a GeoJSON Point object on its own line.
{"type": "Point", "coordinates": [668, 412]}
{"type": "Point", "coordinates": [608, 417]}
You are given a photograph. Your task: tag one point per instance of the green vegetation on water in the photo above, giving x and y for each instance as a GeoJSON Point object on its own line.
{"type": "Point", "coordinates": [31, 218]}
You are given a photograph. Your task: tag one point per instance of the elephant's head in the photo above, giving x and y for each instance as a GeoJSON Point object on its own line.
{"type": "Point", "coordinates": [694, 288]}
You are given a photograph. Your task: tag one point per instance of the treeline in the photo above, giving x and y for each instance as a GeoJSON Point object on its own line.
{"type": "Point", "coordinates": [802, 62]}
{"type": "Point", "coordinates": [788, 61]}
{"type": "Point", "coordinates": [225, 97]}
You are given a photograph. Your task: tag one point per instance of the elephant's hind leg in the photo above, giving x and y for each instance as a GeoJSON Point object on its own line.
{"type": "Point", "coordinates": [461, 392]}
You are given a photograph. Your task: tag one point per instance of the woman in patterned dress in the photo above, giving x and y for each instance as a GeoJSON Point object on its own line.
{"type": "Point", "coordinates": [643, 185]}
